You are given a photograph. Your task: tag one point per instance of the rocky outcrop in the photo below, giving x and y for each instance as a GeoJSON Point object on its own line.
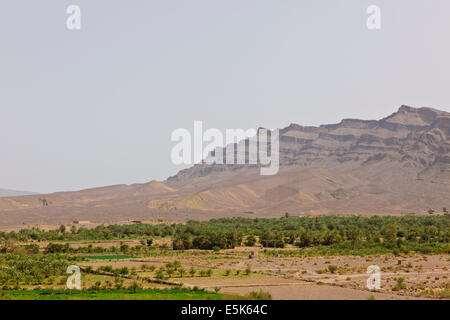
{"type": "Point", "coordinates": [419, 137]}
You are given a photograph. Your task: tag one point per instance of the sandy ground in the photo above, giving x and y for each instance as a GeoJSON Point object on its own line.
{"type": "Point", "coordinates": [302, 291]}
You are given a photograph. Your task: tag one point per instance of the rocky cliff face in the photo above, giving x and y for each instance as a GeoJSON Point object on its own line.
{"type": "Point", "coordinates": [413, 137]}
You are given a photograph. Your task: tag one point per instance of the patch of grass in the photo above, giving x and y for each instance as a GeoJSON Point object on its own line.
{"type": "Point", "coordinates": [218, 258]}
{"type": "Point", "coordinates": [165, 294]}
{"type": "Point", "coordinates": [110, 257]}
{"type": "Point", "coordinates": [259, 295]}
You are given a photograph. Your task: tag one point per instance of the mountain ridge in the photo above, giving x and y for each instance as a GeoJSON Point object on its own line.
{"type": "Point", "coordinates": [396, 165]}
{"type": "Point", "coordinates": [13, 193]}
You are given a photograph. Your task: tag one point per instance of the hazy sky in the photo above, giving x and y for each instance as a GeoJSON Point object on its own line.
{"type": "Point", "coordinates": [97, 106]}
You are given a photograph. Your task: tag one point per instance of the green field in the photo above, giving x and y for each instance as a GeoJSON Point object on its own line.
{"type": "Point", "coordinates": [110, 257]}
{"type": "Point", "coordinates": [175, 294]}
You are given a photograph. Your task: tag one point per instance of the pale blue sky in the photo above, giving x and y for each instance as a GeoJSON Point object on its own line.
{"type": "Point", "coordinates": [97, 106]}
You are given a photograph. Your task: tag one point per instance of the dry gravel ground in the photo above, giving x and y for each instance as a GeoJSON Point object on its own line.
{"type": "Point", "coordinates": [303, 291]}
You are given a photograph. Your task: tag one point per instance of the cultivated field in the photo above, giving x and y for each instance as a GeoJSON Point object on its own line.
{"type": "Point", "coordinates": [178, 262]}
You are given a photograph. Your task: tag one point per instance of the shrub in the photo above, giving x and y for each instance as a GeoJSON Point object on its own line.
{"type": "Point", "coordinates": [260, 295]}
{"type": "Point", "coordinates": [332, 268]}
{"type": "Point", "coordinates": [160, 274]}
{"type": "Point", "coordinates": [400, 284]}
{"type": "Point", "coordinates": [134, 287]}
{"type": "Point", "coordinates": [124, 271]}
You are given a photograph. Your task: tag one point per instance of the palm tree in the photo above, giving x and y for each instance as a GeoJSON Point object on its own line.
{"type": "Point", "coordinates": [160, 274]}
{"type": "Point", "coordinates": [170, 272]}
{"type": "Point", "coordinates": [176, 264]}
{"type": "Point", "coordinates": [134, 286]}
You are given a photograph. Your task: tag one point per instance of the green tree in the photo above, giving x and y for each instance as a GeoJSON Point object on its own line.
{"type": "Point", "coordinates": [160, 274]}
{"type": "Point", "coordinates": [176, 264]}
{"type": "Point", "coordinates": [134, 286]}
{"type": "Point", "coordinates": [250, 241]}
{"type": "Point", "coordinates": [124, 271]}
{"type": "Point", "coordinates": [170, 272]}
